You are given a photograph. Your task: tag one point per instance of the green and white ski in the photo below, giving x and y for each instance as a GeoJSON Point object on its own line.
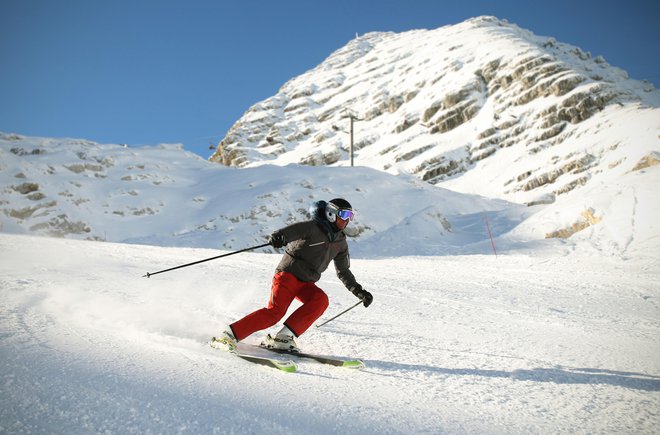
{"type": "Point", "coordinates": [283, 365]}
{"type": "Point", "coordinates": [338, 362]}
{"type": "Point", "coordinates": [288, 366]}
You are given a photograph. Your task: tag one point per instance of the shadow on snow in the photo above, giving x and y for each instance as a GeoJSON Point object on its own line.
{"type": "Point", "coordinates": [556, 375]}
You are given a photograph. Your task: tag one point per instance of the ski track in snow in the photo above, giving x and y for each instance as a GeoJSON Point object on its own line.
{"type": "Point", "coordinates": [457, 344]}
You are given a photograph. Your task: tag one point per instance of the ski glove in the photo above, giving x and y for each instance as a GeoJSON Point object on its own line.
{"type": "Point", "coordinates": [277, 240]}
{"type": "Point", "coordinates": [363, 295]}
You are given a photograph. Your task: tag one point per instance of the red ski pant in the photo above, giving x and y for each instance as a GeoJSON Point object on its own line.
{"type": "Point", "coordinates": [286, 287]}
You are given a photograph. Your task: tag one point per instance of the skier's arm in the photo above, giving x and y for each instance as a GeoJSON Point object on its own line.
{"type": "Point", "coordinates": [288, 234]}
{"type": "Point", "coordinates": [342, 265]}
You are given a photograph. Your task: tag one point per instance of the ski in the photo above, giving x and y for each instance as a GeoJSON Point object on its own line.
{"type": "Point", "coordinates": [283, 365]}
{"type": "Point", "coordinates": [287, 366]}
{"type": "Point", "coordinates": [338, 362]}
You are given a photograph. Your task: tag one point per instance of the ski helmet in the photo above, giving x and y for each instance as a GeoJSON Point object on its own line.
{"type": "Point", "coordinates": [338, 207]}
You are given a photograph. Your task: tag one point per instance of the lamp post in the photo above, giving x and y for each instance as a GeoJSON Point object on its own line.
{"type": "Point", "coordinates": [353, 118]}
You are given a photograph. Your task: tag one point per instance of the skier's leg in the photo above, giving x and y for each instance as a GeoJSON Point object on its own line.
{"type": "Point", "coordinates": [315, 302]}
{"type": "Point", "coordinates": [283, 291]}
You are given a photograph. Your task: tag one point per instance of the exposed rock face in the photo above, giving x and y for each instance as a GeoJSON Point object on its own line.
{"type": "Point", "coordinates": [442, 104]}
{"type": "Point", "coordinates": [652, 159]}
{"type": "Point", "coordinates": [587, 219]}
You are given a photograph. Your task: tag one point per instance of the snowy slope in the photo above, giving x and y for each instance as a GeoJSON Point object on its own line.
{"type": "Point", "coordinates": [463, 344]}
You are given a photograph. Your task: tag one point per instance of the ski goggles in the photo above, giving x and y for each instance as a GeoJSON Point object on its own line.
{"type": "Point", "coordinates": [345, 214]}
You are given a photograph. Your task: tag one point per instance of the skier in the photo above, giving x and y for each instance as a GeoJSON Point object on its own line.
{"type": "Point", "coordinates": [310, 246]}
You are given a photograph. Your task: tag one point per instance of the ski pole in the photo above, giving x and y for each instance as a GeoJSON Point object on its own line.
{"type": "Point", "coordinates": [202, 261]}
{"type": "Point", "coordinates": [343, 312]}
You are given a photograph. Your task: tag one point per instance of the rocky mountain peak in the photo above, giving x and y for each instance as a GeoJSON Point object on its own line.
{"type": "Point", "coordinates": [443, 104]}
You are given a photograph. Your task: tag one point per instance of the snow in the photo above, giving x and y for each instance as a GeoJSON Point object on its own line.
{"type": "Point", "coordinates": [551, 335]}
{"type": "Point", "coordinates": [460, 344]}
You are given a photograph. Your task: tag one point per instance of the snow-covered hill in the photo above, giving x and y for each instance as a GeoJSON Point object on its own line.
{"type": "Point", "coordinates": [163, 195]}
{"type": "Point", "coordinates": [461, 344]}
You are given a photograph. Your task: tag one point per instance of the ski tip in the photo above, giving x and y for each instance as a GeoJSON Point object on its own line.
{"type": "Point", "coordinates": [287, 367]}
{"type": "Point", "coordinates": [354, 364]}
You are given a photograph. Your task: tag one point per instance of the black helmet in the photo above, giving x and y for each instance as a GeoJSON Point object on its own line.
{"type": "Point", "coordinates": [338, 207]}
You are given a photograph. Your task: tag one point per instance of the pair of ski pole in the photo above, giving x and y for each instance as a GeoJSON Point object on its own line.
{"type": "Point", "coordinates": [149, 275]}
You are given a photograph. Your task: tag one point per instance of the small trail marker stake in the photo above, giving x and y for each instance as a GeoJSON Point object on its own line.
{"type": "Point", "coordinates": [492, 243]}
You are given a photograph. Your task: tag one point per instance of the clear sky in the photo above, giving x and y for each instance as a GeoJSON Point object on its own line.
{"type": "Point", "coordinates": [153, 71]}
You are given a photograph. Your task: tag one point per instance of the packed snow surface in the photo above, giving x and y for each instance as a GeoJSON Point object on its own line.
{"type": "Point", "coordinates": [456, 344]}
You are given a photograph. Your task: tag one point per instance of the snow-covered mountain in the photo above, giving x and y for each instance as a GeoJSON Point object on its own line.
{"type": "Point", "coordinates": [481, 107]}
{"type": "Point", "coordinates": [448, 103]}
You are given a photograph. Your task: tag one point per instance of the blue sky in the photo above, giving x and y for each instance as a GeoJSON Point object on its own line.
{"type": "Point", "coordinates": [147, 72]}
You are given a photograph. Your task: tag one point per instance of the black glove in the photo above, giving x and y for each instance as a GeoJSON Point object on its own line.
{"type": "Point", "coordinates": [363, 295]}
{"type": "Point", "coordinates": [277, 240]}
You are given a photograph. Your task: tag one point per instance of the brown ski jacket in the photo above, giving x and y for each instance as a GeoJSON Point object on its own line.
{"type": "Point", "coordinates": [311, 246]}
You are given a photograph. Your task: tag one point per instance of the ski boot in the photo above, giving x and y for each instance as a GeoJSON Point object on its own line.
{"type": "Point", "coordinates": [281, 341]}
